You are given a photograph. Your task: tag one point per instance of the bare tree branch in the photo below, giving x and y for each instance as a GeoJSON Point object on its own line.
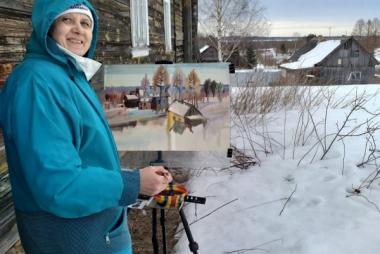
{"type": "Point", "coordinates": [286, 202]}
{"type": "Point", "coordinates": [253, 248]}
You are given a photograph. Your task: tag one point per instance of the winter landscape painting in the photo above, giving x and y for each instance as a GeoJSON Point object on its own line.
{"type": "Point", "coordinates": [173, 107]}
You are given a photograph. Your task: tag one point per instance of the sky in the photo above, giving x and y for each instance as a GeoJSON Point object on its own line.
{"type": "Point", "coordinates": [131, 75]}
{"type": "Point", "coordinates": [321, 17]}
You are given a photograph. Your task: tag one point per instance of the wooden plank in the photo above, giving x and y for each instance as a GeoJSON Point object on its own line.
{"type": "Point", "coordinates": [9, 239]}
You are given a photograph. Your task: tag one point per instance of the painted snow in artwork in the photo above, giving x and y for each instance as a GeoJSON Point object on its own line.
{"type": "Point", "coordinates": [174, 107]}
{"type": "Point", "coordinates": [315, 184]}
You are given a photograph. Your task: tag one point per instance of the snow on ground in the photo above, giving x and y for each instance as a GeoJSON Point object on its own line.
{"type": "Point", "coordinates": [323, 214]}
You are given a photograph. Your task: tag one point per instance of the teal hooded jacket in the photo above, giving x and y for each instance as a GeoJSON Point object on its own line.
{"type": "Point", "coordinates": [68, 188]}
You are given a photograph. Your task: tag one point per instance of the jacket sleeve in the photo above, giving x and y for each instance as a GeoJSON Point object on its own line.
{"type": "Point", "coordinates": [45, 127]}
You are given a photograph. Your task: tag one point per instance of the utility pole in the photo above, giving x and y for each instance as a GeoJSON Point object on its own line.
{"type": "Point", "coordinates": [330, 31]}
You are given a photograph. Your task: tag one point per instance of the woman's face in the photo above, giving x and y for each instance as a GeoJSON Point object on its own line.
{"type": "Point", "coordinates": [73, 31]}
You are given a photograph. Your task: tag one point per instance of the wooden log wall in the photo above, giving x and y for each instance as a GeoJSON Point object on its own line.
{"type": "Point", "coordinates": [114, 41]}
{"type": "Point", "coordinates": [15, 29]}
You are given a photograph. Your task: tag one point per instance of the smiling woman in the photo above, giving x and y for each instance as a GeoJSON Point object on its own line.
{"type": "Point", "coordinates": [73, 31]}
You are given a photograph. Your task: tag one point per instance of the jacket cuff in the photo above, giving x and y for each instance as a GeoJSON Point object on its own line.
{"type": "Point", "coordinates": [131, 180]}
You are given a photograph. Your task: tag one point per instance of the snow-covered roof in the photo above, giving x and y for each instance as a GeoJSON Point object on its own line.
{"type": "Point", "coordinates": [196, 117]}
{"type": "Point", "coordinates": [377, 54]}
{"type": "Point", "coordinates": [179, 108]}
{"type": "Point", "coordinates": [203, 48]}
{"type": "Point", "coordinates": [314, 56]}
{"type": "Point", "coordinates": [132, 97]}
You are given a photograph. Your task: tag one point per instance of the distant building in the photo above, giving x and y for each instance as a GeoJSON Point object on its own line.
{"type": "Point", "coordinates": [208, 54]}
{"type": "Point", "coordinates": [145, 103]}
{"type": "Point", "coordinates": [330, 62]}
{"type": "Point", "coordinates": [131, 101]}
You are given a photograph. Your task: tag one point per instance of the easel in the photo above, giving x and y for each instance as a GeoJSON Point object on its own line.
{"type": "Point", "coordinates": [193, 245]}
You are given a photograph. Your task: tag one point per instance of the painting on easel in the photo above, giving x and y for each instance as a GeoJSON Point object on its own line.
{"type": "Point", "coordinates": [174, 107]}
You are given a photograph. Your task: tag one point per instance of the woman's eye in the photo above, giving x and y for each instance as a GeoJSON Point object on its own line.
{"type": "Point", "coordinates": [86, 24]}
{"type": "Point", "coordinates": [66, 20]}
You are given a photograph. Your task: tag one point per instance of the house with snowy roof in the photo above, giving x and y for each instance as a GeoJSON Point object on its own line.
{"type": "Point", "coordinates": [330, 62]}
{"type": "Point", "coordinates": [182, 114]}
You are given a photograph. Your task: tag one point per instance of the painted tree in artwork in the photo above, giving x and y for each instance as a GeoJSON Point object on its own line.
{"type": "Point", "coordinates": [161, 84]}
{"type": "Point", "coordinates": [213, 86]}
{"type": "Point", "coordinates": [207, 88]}
{"type": "Point", "coordinates": [145, 84]}
{"type": "Point", "coordinates": [178, 80]}
{"type": "Point", "coordinates": [193, 85]}
{"type": "Point", "coordinates": [219, 89]}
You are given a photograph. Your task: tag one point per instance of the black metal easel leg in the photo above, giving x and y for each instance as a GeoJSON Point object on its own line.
{"type": "Point", "coordinates": [154, 231]}
{"type": "Point", "coordinates": [159, 159]}
{"type": "Point", "coordinates": [163, 228]}
{"type": "Point", "coordinates": [192, 244]}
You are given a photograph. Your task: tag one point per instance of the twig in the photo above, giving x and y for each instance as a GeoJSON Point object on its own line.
{"type": "Point", "coordinates": [344, 156]}
{"type": "Point", "coordinates": [316, 131]}
{"type": "Point", "coordinates": [339, 131]}
{"type": "Point", "coordinates": [371, 157]}
{"type": "Point", "coordinates": [286, 202]}
{"type": "Point", "coordinates": [369, 201]}
{"type": "Point", "coordinates": [309, 151]}
{"type": "Point", "coordinates": [213, 211]}
{"type": "Point", "coordinates": [284, 134]}
{"type": "Point", "coordinates": [266, 203]}
{"type": "Point", "coordinates": [253, 248]}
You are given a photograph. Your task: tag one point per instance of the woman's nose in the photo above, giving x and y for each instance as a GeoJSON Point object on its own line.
{"type": "Point", "coordinates": [77, 28]}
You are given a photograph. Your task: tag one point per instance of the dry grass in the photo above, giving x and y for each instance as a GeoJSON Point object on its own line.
{"type": "Point", "coordinates": [140, 225]}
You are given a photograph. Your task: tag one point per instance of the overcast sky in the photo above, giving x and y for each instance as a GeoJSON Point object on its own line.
{"type": "Point", "coordinates": [321, 17]}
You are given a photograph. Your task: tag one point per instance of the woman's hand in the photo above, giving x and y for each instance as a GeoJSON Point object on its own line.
{"type": "Point", "coordinates": [153, 180]}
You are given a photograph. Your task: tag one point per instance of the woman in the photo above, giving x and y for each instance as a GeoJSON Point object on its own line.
{"type": "Point", "coordinates": [69, 192]}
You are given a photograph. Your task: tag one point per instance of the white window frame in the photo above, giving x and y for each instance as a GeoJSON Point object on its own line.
{"type": "Point", "coordinates": [355, 53]}
{"type": "Point", "coordinates": [167, 26]}
{"type": "Point", "coordinates": [139, 28]}
{"type": "Point", "coordinates": [355, 75]}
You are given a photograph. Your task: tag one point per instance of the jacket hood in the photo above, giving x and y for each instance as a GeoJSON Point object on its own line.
{"type": "Point", "coordinates": [43, 17]}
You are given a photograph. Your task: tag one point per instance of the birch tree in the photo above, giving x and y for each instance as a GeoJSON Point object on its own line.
{"type": "Point", "coordinates": [145, 84]}
{"type": "Point", "coordinates": [178, 80]}
{"type": "Point", "coordinates": [235, 19]}
{"type": "Point", "coordinates": [193, 86]}
{"type": "Point", "coordinates": [369, 31]}
{"type": "Point", "coordinates": [359, 28]}
{"type": "Point", "coordinates": [161, 81]}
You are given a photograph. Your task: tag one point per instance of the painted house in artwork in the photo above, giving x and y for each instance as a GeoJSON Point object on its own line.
{"type": "Point", "coordinates": [330, 62]}
{"type": "Point", "coordinates": [131, 101]}
{"type": "Point", "coordinates": [182, 114]}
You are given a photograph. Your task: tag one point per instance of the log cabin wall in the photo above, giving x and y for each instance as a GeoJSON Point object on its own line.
{"type": "Point", "coordinates": [15, 28]}
{"type": "Point", "coordinates": [114, 40]}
